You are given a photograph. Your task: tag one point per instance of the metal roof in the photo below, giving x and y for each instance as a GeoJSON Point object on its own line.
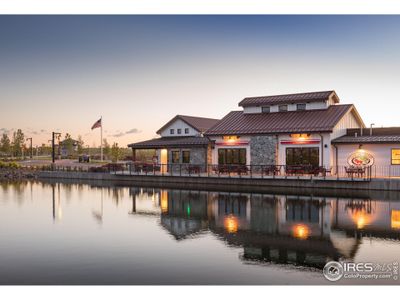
{"type": "Point", "coordinates": [288, 99]}
{"type": "Point", "coordinates": [318, 120]}
{"type": "Point", "coordinates": [171, 142]}
{"type": "Point", "coordinates": [386, 135]}
{"type": "Point", "coordinates": [199, 123]}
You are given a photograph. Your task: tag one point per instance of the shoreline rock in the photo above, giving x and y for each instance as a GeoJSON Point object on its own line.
{"type": "Point", "coordinates": [17, 174]}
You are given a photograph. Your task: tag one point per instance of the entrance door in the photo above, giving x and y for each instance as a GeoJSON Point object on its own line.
{"type": "Point", "coordinates": [164, 160]}
{"type": "Point", "coordinates": [302, 156]}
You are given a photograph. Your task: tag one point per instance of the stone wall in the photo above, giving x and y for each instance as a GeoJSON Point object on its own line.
{"type": "Point", "coordinates": [198, 156]}
{"type": "Point", "coordinates": [263, 150]}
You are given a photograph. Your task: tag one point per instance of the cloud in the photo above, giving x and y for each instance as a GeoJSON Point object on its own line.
{"type": "Point", "coordinates": [120, 133]}
{"type": "Point", "coordinates": [133, 130]}
{"type": "Point", "coordinates": [117, 134]}
{"type": "Point", "coordinates": [5, 130]}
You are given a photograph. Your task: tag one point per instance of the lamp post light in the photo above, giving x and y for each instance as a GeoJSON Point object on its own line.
{"type": "Point", "coordinates": [53, 152]}
{"type": "Point", "coordinates": [31, 149]}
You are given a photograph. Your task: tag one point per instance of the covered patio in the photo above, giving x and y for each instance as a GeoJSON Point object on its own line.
{"type": "Point", "coordinates": [170, 154]}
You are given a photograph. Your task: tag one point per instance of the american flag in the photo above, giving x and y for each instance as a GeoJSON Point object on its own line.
{"type": "Point", "coordinates": [97, 124]}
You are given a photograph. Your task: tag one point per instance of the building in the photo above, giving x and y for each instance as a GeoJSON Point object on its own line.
{"type": "Point", "coordinates": [294, 129]}
{"type": "Point", "coordinates": [375, 147]}
{"type": "Point", "coordinates": [311, 129]}
{"type": "Point", "coordinates": [68, 148]}
{"type": "Point", "coordinates": [181, 141]}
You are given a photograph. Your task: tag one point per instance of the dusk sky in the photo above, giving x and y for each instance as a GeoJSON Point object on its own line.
{"type": "Point", "coordinates": [63, 72]}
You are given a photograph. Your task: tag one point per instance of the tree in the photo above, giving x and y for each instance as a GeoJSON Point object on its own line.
{"type": "Point", "coordinates": [5, 144]}
{"type": "Point", "coordinates": [80, 144]}
{"type": "Point", "coordinates": [116, 153]}
{"type": "Point", "coordinates": [68, 144]}
{"type": "Point", "coordinates": [18, 142]}
{"type": "Point", "coordinates": [106, 148]}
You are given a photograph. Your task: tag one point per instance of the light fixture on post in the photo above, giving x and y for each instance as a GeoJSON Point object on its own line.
{"type": "Point", "coordinates": [53, 153]}
{"type": "Point", "coordinates": [370, 130]}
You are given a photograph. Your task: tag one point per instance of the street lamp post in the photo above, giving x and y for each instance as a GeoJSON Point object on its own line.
{"type": "Point", "coordinates": [370, 130]}
{"type": "Point", "coordinates": [31, 150]}
{"type": "Point", "coordinates": [53, 152]}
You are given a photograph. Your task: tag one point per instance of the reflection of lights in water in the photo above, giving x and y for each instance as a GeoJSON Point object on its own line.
{"type": "Point", "coordinates": [164, 201]}
{"type": "Point", "coordinates": [231, 224]}
{"type": "Point", "coordinates": [188, 210]}
{"type": "Point", "coordinates": [395, 219]}
{"type": "Point", "coordinates": [301, 231]}
{"type": "Point", "coordinates": [361, 218]}
{"type": "Point", "coordinates": [59, 213]}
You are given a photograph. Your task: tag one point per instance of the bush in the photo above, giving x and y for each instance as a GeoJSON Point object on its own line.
{"type": "Point", "coordinates": [9, 165]}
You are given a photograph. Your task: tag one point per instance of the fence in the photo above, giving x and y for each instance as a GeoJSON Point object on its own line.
{"type": "Point", "coordinates": [234, 171]}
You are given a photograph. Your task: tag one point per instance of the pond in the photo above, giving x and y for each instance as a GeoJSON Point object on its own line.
{"type": "Point", "coordinates": [77, 233]}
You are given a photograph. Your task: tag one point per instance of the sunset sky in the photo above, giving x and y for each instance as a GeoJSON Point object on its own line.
{"type": "Point", "coordinates": [63, 72]}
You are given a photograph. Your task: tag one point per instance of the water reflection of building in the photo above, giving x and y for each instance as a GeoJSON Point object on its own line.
{"type": "Point", "coordinates": [367, 217]}
{"type": "Point", "coordinates": [278, 228]}
{"type": "Point", "coordinates": [300, 230]}
{"type": "Point", "coordinates": [184, 213]}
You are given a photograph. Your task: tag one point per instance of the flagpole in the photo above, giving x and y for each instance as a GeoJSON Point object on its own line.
{"type": "Point", "coordinates": [101, 139]}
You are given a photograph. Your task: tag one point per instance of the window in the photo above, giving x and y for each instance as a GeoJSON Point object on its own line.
{"type": "Point", "coordinates": [179, 131]}
{"type": "Point", "coordinates": [232, 156]}
{"type": "Point", "coordinates": [171, 131]}
{"type": "Point", "coordinates": [186, 130]}
{"type": "Point", "coordinates": [302, 156]}
{"type": "Point", "coordinates": [301, 106]}
{"type": "Point", "coordinates": [282, 107]}
{"type": "Point", "coordinates": [175, 157]}
{"type": "Point", "coordinates": [395, 156]}
{"type": "Point", "coordinates": [266, 109]}
{"type": "Point", "coordinates": [186, 157]}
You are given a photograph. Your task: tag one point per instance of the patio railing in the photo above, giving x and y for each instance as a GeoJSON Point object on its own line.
{"type": "Point", "coordinates": [239, 171]}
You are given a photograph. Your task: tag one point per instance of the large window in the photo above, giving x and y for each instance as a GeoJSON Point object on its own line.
{"type": "Point", "coordinates": [395, 156]}
{"type": "Point", "coordinates": [186, 157]}
{"type": "Point", "coordinates": [175, 157]}
{"type": "Point", "coordinates": [302, 156]}
{"type": "Point", "coordinates": [232, 156]}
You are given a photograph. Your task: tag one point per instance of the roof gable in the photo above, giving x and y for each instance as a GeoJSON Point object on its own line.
{"type": "Point", "coordinates": [321, 120]}
{"type": "Point", "coordinates": [289, 98]}
{"type": "Point", "coordinates": [198, 123]}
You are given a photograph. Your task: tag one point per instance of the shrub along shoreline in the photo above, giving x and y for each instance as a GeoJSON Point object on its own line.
{"type": "Point", "coordinates": [14, 171]}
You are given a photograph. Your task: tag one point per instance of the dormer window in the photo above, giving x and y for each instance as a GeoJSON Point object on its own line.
{"type": "Point", "coordinates": [179, 131]}
{"type": "Point", "coordinates": [171, 131]}
{"type": "Point", "coordinates": [266, 109]}
{"type": "Point", "coordinates": [283, 108]}
{"type": "Point", "coordinates": [301, 106]}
